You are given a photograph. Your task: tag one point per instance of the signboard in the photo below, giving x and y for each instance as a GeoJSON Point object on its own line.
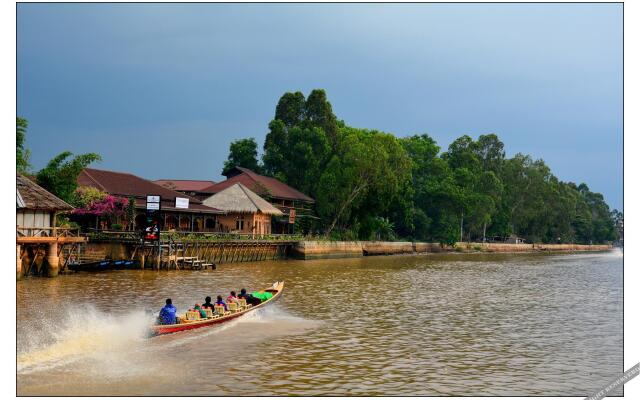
{"type": "Point", "coordinates": [151, 231]}
{"type": "Point", "coordinates": [182, 202]}
{"type": "Point", "coordinates": [292, 216]}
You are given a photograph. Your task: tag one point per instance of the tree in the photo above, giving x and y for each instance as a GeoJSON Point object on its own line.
{"type": "Point", "coordinates": [60, 176]}
{"type": "Point", "coordinates": [370, 167]}
{"type": "Point", "coordinates": [298, 146]}
{"type": "Point", "coordinates": [489, 150]}
{"type": "Point", "coordinates": [242, 153]}
{"type": "Point", "coordinates": [291, 109]}
{"type": "Point", "coordinates": [22, 153]}
{"type": "Point", "coordinates": [131, 213]}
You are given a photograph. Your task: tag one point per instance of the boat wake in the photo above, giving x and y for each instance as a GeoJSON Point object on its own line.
{"type": "Point", "coordinates": [270, 316]}
{"type": "Point", "coordinates": [83, 332]}
{"type": "Point", "coordinates": [116, 346]}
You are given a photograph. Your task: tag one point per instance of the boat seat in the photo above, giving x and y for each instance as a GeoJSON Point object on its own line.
{"type": "Point", "coordinates": [219, 310]}
{"type": "Point", "coordinates": [242, 303]}
{"type": "Point", "coordinates": [209, 312]}
{"type": "Point", "coordinates": [192, 315]}
{"type": "Point", "coordinates": [233, 306]}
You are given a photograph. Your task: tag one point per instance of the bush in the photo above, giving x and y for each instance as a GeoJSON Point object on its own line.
{"type": "Point", "coordinates": [117, 227]}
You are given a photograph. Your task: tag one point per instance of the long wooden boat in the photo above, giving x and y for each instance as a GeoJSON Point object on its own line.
{"type": "Point", "coordinates": [184, 325]}
{"type": "Point", "coordinates": [101, 266]}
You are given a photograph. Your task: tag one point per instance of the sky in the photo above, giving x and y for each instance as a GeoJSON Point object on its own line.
{"type": "Point", "coordinates": [161, 90]}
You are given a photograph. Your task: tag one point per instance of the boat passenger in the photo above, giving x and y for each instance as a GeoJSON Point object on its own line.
{"type": "Point", "coordinates": [168, 313]}
{"type": "Point", "coordinates": [203, 313]}
{"type": "Point", "coordinates": [219, 302]}
{"type": "Point", "coordinates": [232, 297]}
{"type": "Point", "coordinates": [249, 298]}
{"type": "Point", "coordinates": [207, 303]}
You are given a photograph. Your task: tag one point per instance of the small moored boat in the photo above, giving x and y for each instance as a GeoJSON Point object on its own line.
{"type": "Point", "coordinates": [101, 266]}
{"type": "Point", "coordinates": [189, 321]}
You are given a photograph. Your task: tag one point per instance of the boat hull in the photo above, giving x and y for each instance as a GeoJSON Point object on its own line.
{"type": "Point", "coordinates": [156, 330]}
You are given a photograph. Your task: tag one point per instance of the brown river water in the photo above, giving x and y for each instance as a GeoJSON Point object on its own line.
{"type": "Point", "coordinates": [451, 324]}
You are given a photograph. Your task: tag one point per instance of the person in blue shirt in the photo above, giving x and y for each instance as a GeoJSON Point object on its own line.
{"type": "Point", "coordinates": [168, 313]}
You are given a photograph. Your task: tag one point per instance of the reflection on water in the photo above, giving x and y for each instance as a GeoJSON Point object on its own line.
{"type": "Point", "coordinates": [415, 325]}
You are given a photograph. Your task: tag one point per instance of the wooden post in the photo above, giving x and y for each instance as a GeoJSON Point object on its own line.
{"type": "Point", "coordinates": [18, 263]}
{"type": "Point", "coordinates": [52, 260]}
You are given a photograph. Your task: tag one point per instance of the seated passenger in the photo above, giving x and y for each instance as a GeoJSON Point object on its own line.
{"type": "Point", "coordinates": [207, 303]}
{"type": "Point", "coordinates": [168, 313]}
{"type": "Point", "coordinates": [203, 313]}
{"type": "Point", "coordinates": [232, 297]}
{"type": "Point", "coordinates": [249, 298]}
{"type": "Point", "coordinates": [219, 302]}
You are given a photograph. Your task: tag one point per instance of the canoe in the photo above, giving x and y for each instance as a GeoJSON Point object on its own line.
{"type": "Point", "coordinates": [275, 289]}
{"type": "Point", "coordinates": [94, 266]}
{"type": "Point", "coordinates": [100, 266]}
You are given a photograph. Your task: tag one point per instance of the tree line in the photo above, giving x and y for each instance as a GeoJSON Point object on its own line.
{"type": "Point", "coordinates": [370, 184]}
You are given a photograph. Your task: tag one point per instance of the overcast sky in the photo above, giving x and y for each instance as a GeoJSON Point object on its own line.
{"type": "Point", "coordinates": [160, 90]}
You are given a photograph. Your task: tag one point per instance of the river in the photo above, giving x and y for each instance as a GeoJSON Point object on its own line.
{"type": "Point", "coordinates": [437, 324]}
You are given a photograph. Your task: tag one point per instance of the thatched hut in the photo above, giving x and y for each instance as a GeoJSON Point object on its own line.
{"type": "Point", "coordinates": [37, 237]}
{"type": "Point", "coordinates": [246, 212]}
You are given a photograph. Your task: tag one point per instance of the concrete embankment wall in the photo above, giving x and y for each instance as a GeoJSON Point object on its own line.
{"type": "Point", "coordinates": [309, 250]}
{"type": "Point", "coordinates": [528, 247]}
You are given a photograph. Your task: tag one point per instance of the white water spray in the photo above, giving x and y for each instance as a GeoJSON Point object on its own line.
{"type": "Point", "coordinates": [82, 332]}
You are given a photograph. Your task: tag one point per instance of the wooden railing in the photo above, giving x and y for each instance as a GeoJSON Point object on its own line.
{"type": "Point", "coordinates": [46, 231]}
{"type": "Point", "coordinates": [135, 236]}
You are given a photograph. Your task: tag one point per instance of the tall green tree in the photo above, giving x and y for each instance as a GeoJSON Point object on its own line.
{"type": "Point", "coordinates": [22, 153]}
{"type": "Point", "coordinates": [242, 153]}
{"type": "Point", "coordinates": [60, 176]}
{"type": "Point", "coordinates": [369, 167]}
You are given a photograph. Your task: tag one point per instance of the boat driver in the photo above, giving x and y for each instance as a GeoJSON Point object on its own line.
{"type": "Point", "coordinates": [168, 313]}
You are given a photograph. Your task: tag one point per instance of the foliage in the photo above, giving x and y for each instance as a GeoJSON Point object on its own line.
{"type": "Point", "coordinates": [370, 184]}
{"type": "Point", "coordinates": [60, 176]}
{"type": "Point", "coordinates": [22, 153]}
{"type": "Point", "coordinates": [242, 153]}
{"type": "Point", "coordinates": [130, 212]}
{"type": "Point", "coordinates": [85, 195]}
{"type": "Point", "coordinates": [108, 207]}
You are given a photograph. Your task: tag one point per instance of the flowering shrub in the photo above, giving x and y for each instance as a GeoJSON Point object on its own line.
{"type": "Point", "coordinates": [109, 206]}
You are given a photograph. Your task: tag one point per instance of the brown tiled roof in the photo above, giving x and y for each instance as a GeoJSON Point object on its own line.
{"type": "Point", "coordinates": [127, 185]}
{"type": "Point", "coordinates": [262, 185]}
{"type": "Point", "coordinates": [187, 185]}
{"type": "Point", "coordinates": [35, 197]}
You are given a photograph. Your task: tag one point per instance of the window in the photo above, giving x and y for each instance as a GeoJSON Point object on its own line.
{"type": "Point", "coordinates": [240, 223]}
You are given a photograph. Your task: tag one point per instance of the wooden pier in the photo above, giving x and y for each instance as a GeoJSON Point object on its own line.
{"type": "Point", "coordinates": [193, 250]}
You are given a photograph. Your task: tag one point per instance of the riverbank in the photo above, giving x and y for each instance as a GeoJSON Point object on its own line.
{"type": "Point", "coordinates": [309, 250]}
{"type": "Point", "coordinates": [207, 254]}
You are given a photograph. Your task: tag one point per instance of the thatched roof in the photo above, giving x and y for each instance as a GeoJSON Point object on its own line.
{"type": "Point", "coordinates": [31, 196]}
{"type": "Point", "coordinates": [238, 198]}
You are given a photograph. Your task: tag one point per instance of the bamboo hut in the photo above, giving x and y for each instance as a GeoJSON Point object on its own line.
{"type": "Point", "coordinates": [246, 212]}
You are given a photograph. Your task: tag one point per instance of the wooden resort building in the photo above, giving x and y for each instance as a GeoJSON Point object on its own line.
{"type": "Point", "coordinates": [246, 212]}
{"type": "Point", "coordinates": [294, 205]}
{"type": "Point", "coordinates": [196, 217]}
{"type": "Point", "coordinates": [38, 240]}
{"type": "Point", "coordinates": [190, 187]}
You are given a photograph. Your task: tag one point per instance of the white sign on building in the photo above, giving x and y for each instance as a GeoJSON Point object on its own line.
{"type": "Point", "coordinates": [182, 202]}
